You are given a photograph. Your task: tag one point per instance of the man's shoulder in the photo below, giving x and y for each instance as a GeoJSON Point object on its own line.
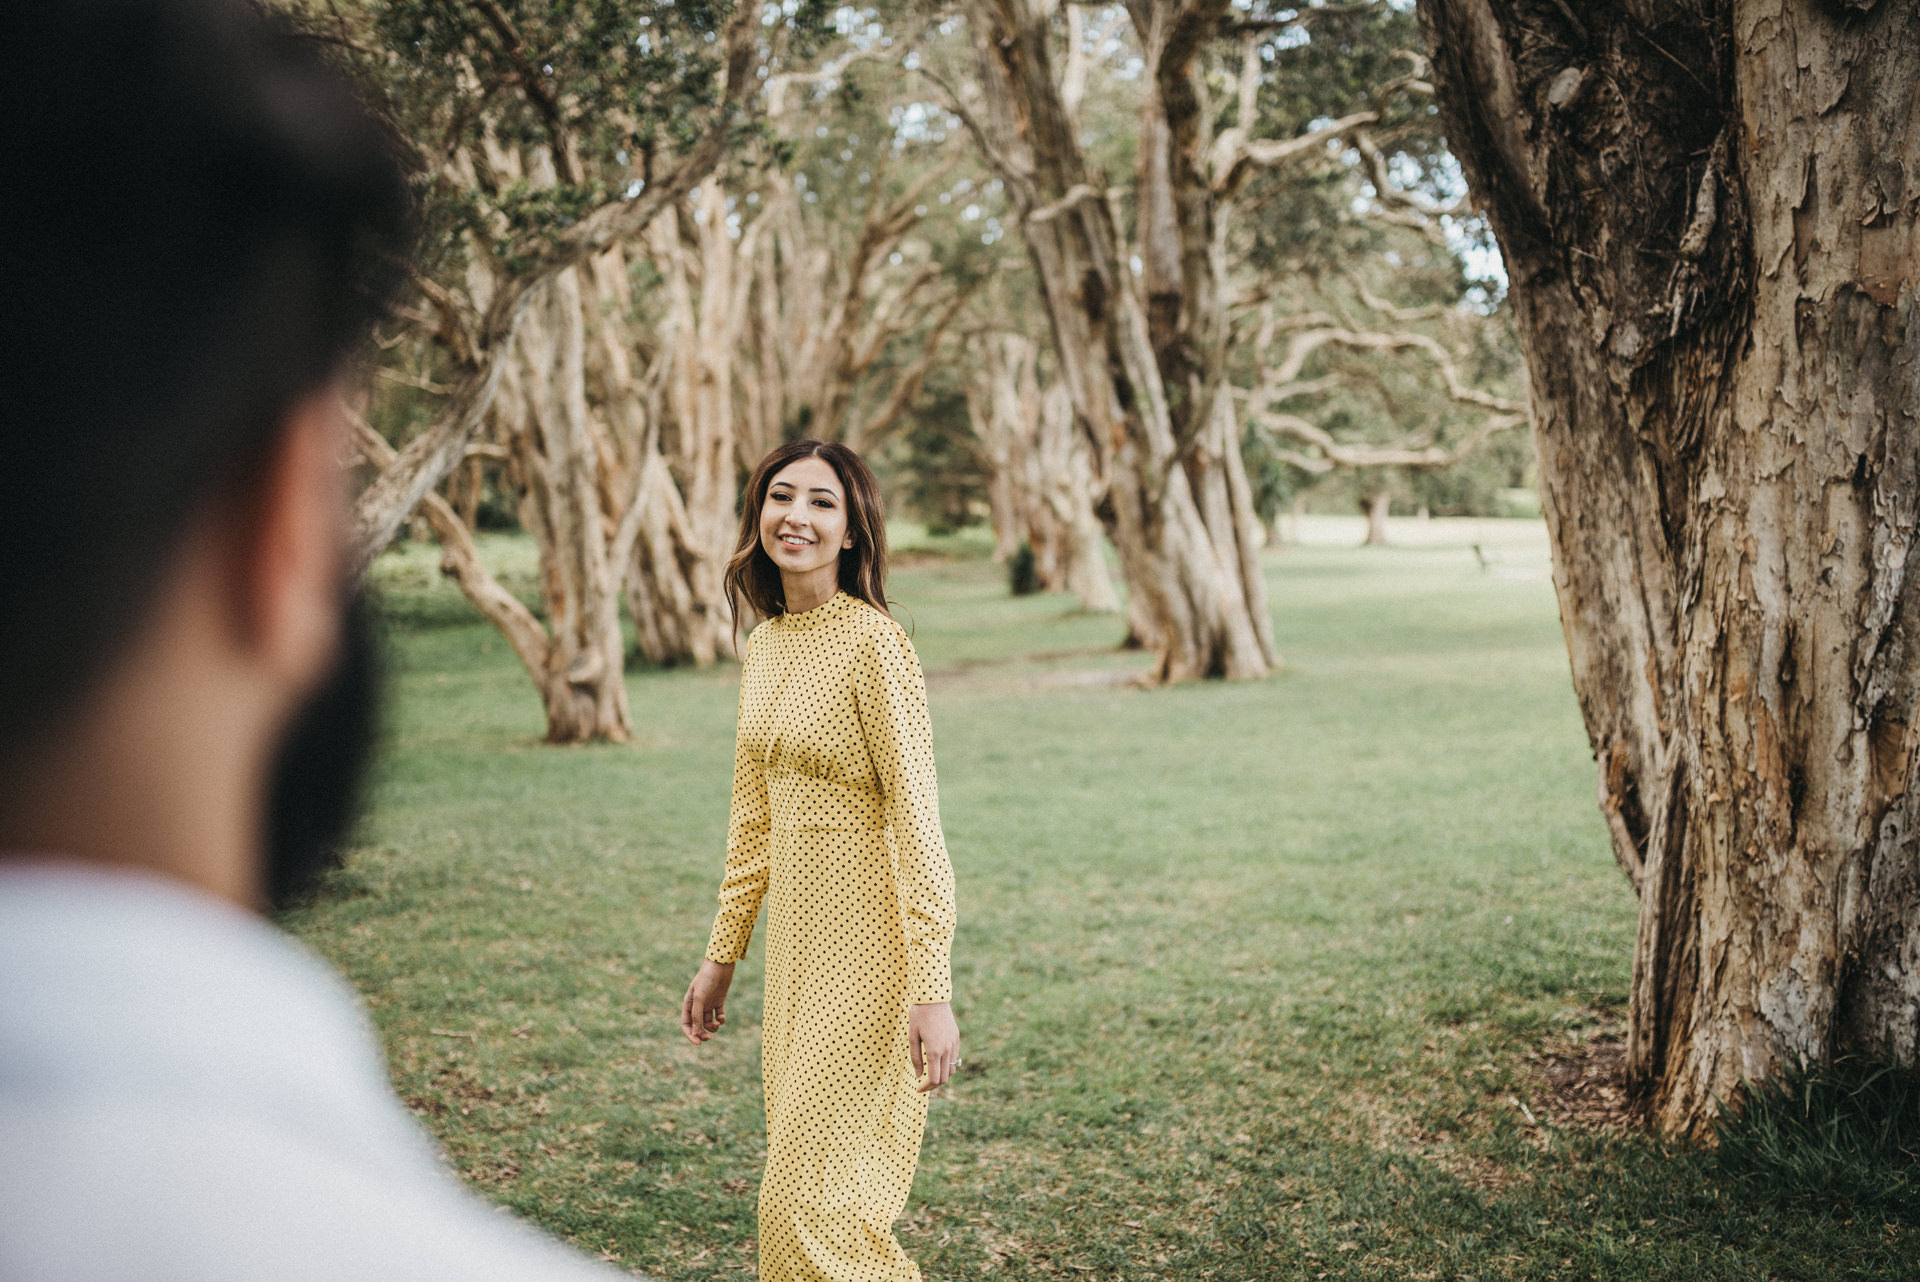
{"type": "Point", "coordinates": [105, 1188]}
{"type": "Point", "coordinates": [185, 1092]}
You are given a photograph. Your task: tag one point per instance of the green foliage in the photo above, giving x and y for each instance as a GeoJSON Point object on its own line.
{"type": "Point", "coordinates": [1322, 70]}
{"type": "Point", "coordinates": [1477, 484]}
{"type": "Point", "coordinates": [1839, 1137]}
{"type": "Point", "coordinates": [934, 465]}
{"type": "Point", "coordinates": [1274, 479]}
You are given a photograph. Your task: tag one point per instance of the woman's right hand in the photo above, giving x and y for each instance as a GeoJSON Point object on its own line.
{"type": "Point", "coordinates": [704, 1009]}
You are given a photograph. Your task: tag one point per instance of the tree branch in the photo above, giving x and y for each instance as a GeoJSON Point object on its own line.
{"type": "Point", "coordinates": [1235, 156]}
{"type": "Point", "coordinates": [1304, 345]}
{"type": "Point", "coordinates": [533, 83]}
{"type": "Point", "coordinates": [1019, 187]}
{"type": "Point", "coordinates": [1388, 193]}
{"type": "Point", "coordinates": [907, 386]}
{"type": "Point", "coordinates": [461, 560]}
{"type": "Point", "coordinates": [1292, 427]}
{"type": "Point", "coordinates": [1054, 208]}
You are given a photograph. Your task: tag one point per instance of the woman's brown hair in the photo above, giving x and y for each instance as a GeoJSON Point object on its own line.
{"type": "Point", "coordinates": [754, 578]}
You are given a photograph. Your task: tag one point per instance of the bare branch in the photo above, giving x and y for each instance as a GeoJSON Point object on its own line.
{"type": "Point", "coordinates": [409, 476]}
{"type": "Point", "coordinates": [455, 327]}
{"type": "Point", "coordinates": [1305, 344]}
{"type": "Point", "coordinates": [420, 381]}
{"type": "Point", "coordinates": [1249, 85]}
{"type": "Point", "coordinates": [1054, 208]}
{"type": "Point", "coordinates": [1273, 395]}
{"type": "Point", "coordinates": [1235, 156]}
{"type": "Point", "coordinates": [1389, 193]}
{"type": "Point", "coordinates": [1073, 78]}
{"type": "Point", "coordinates": [461, 560]}
{"type": "Point", "coordinates": [1017, 185]}
{"type": "Point", "coordinates": [778, 85]}
{"type": "Point", "coordinates": [1313, 463]}
{"type": "Point", "coordinates": [889, 320]}
{"type": "Point", "coordinates": [1292, 427]}
{"type": "Point", "coordinates": [907, 386]}
{"type": "Point", "coordinates": [1405, 315]}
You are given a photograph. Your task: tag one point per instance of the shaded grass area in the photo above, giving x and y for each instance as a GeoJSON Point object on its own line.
{"type": "Point", "coordinates": [1249, 976]}
{"type": "Point", "coordinates": [1844, 1134]}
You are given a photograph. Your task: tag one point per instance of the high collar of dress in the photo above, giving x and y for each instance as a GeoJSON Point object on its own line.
{"type": "Point", "coordinates": [834, 607]}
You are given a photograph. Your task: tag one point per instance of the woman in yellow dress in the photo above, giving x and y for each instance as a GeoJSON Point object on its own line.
{"type": "Point", "coordinates": [836, 826]}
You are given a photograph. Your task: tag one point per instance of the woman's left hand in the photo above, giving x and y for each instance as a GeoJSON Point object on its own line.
{"type": "Point", "coordinates": [933, 1042]}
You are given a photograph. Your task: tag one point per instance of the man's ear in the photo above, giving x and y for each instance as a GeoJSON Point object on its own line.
{"type": "Point", "coordinates": [289, 544]}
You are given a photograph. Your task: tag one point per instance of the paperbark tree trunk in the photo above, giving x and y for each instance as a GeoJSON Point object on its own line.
{"type": "Point", "coordinates": [1708, 213]}
{"type": "Point", "coordinates": [544, 419]}
{"type": "Point", "coordinates": [1041, 484]}
{"type": "Point", "coordinates": [1376, 506]}
{"type": "Point", "coordinates": [689, 470]}
{"type": "Point", "coordinates": [1177, 505]}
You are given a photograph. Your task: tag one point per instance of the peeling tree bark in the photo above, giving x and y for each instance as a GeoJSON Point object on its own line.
{"type": "Point", "coordinates": [543, 418]}
{"type": "Point", "coordinates": [1177, 504]}
{"type": "Point", "coordinates": [1041, 485]}
{"type": "Point", "coordinates": [1711, 218]}
{"type": "Point", "coordinates": [688, 480]}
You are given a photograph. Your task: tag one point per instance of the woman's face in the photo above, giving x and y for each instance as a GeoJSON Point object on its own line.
{"type": "Point", "coordinates": [803, 523]}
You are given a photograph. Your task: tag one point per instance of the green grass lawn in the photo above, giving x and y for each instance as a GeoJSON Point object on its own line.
{"type": "Point", "coordinates": [1253, 979]}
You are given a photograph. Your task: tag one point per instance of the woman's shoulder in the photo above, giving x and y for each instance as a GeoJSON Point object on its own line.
{"type": "Point", "coordinates": [879, 635]}
{"type": "Point", "coordinates": [878, 624]}
{"type": "Point", "coordinates": [762, 632]}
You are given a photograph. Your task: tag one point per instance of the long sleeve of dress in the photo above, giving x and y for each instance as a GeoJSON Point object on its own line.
{"type": "Point", "coordinates": [745, 883]}
{"type": "Point", "coordinates": [891, 696]}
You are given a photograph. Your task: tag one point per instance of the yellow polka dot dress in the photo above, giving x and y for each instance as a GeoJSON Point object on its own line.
{"type": "Point", "coordinates": [836, 825]}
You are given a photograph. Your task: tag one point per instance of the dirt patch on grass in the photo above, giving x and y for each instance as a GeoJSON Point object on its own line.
{"type": "Point", "coordinates": [1583, 1086]}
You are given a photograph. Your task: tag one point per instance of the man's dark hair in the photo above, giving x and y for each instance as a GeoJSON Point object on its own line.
{"type": "Point", "coordinates": [198, 225]}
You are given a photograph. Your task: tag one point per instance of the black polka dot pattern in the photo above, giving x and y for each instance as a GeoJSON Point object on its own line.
{"type": "Point", "coordinates": [836, 826]}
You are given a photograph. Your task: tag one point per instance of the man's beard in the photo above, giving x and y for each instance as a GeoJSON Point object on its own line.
{"type": "Point", "coordinates": [321, 767]}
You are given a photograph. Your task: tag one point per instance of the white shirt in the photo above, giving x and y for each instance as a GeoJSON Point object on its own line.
{"type": "Point", "coordinates": [188, 1093]}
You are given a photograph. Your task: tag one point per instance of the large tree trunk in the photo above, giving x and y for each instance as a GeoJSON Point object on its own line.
{"type": "Point", "coordinates": [689, 475]}
{"type": "Point", "coordinates": [544, 419]}
{"type": "Point", "coordinates": [1069, 494]}
{"type": "Point", "coordinates": [1708, 213]}
{"type": "Point", "coordinates": [1175, 493]}
{"type": "Point", "coordinates": [1041, 485]}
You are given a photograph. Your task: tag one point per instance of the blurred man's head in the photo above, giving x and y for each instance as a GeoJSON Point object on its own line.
{"type": "Point", "coordinates": [200, 221]}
